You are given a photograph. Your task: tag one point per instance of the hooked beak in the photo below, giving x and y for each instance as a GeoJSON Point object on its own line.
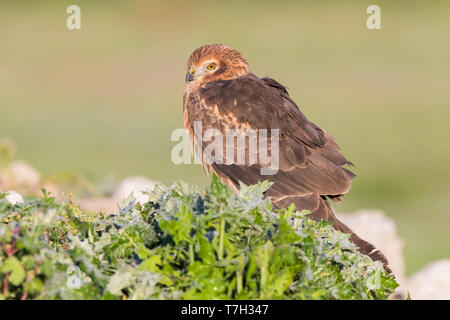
{"type": "Point", "coordinates": [190, 75]}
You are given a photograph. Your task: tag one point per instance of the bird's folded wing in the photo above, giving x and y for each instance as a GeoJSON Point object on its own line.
{"type": "Point", "coordinates": [309, 159]}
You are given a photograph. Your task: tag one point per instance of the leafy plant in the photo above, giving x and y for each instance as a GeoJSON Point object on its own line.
{"type": "Point", "coordinates": [180, 245]}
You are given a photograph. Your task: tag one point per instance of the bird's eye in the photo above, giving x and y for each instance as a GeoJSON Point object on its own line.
{"type": "Point", "coordinates": [211, 66]}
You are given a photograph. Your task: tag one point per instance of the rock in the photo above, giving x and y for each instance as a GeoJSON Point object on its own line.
{"type": "Point", "coordinates": [380, 230]}
{"type": "Point", "coordinates": [4, 181]}
{"type": "Point", "coordinates": [13, 197]}
{"type": "Point", "coordinates": [107, 205]}
{"type": "Point", "coordinates": [24, 175]}
{"type": "Point", "coordinates": [136, 185]}
{"type": "Point", "coordinates": [432, 282]}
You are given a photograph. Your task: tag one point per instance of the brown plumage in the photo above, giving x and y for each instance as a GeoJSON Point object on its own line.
{"type": "Point", "coordinates": [223, 94]}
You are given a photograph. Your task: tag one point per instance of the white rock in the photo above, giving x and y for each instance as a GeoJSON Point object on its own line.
{"type": "Point", "coordinates": [136, 185]}
{"type": "Point", "coordinates": [13, 197]}
{"type": "Point", "coordinates": [374, 226]}
{"type": "Point", "coordinates": [432, 282]}
{"type": "Point", "coordinates": [24, 175]}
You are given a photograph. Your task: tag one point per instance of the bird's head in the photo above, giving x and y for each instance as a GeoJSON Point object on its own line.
{"type": "Point", "coordinates": [215, 62]}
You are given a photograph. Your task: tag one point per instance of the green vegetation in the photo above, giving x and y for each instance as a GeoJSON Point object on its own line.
{"type": "Point", "coordinates": [180, 245]}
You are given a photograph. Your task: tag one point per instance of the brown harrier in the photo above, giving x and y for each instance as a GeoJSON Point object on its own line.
{"type": "Point", "coordinates": [222, 94]}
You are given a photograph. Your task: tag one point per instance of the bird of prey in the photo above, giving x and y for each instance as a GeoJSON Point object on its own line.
{"type": "Point", "coordinates": [222, 94]}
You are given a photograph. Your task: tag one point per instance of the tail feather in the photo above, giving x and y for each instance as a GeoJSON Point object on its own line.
{"type": "Point", "coordinates": [324, 212]}
{"type": "Point", "coordinates": [363, 246]}
{"type": "Point", "coordinates": [370, 250]}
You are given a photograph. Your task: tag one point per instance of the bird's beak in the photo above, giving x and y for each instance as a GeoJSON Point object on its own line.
{"type": "Point", "coordinates": [190, 75]}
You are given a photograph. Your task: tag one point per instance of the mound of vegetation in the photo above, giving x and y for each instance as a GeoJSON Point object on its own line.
{"type": "Point", "coordinates": [180, 245]}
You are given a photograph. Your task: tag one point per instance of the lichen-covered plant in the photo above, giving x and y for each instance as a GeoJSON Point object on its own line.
{"type": "Point", "coordinates": [180, 245]}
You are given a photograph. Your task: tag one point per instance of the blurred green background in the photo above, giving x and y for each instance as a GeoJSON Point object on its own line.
{"type": "Point", "coordinates": [105, 99]}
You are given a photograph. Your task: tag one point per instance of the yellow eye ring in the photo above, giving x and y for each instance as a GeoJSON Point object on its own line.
{"type": "Point", "coordinates": [211, 66]}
